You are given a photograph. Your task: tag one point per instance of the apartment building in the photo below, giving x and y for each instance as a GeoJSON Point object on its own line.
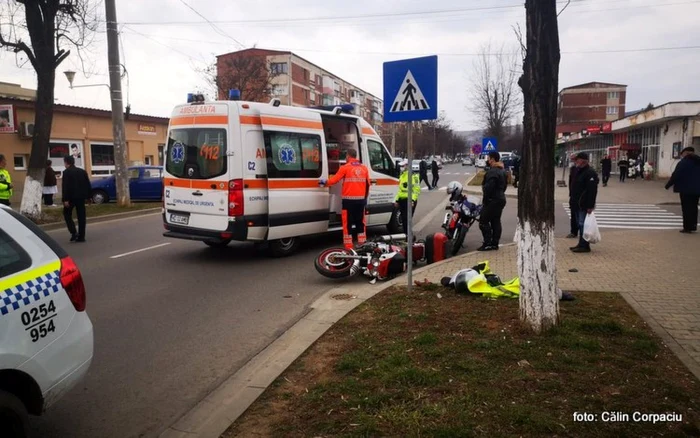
{"type": "Point", "coordinates": [591, 107]}
{"type": "Point", "coordinates": [295, 81]}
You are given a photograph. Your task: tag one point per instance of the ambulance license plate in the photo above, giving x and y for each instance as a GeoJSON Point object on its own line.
{"type": "Point", "coordinates": [179, 219]}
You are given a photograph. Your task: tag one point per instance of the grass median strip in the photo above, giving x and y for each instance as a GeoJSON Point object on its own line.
{"type": "Point", "coordinates": [418, 365]}
{"type": "Point", "coordinates": [55, 214]}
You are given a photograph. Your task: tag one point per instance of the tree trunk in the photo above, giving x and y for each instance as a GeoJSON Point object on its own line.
{"type": "Point", "coordinates": [43, 119]}
{"type": "Point", "coordinates": [539, 300]}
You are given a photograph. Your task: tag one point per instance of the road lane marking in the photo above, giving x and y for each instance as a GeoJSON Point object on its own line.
{"type": "Point", "coordinates": [111, 221]}
{"type": "Point", "coordinates": [139, 250]}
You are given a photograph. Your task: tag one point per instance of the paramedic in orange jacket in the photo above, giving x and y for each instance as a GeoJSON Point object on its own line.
{"type": "Point", "coordinates": [355, 177]}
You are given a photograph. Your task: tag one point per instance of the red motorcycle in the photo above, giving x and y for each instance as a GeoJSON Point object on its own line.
{"type": "Point", "coordinates": [382, 258]}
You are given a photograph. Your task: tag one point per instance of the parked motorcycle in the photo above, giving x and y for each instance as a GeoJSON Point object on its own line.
{"type": "Point", "coordinates": [458, 220]}
{"type": "Point", "coordinates": [381, 258]}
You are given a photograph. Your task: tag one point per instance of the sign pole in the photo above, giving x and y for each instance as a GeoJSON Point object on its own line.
{"type": "Point", "coordinates": [409, 209]}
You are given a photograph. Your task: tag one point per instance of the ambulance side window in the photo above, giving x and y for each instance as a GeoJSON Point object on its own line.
{"type": "Point", "coordinates": [379, 158]}
{"type": "Point", "coordinates": [13, 258]}
{"type": "Point", "coordinates": [293, 155]}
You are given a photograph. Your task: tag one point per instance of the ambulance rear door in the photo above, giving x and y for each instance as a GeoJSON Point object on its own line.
{"type": "Point", "coordinates": [383, 176]}
{"type": "Point", "coordinates": [296, 159]}
{"type": "Point", "coordinates": [197, 165]}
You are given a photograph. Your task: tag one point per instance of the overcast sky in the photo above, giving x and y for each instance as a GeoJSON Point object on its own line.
{"type": "Point", "coordinates": [353, 39]}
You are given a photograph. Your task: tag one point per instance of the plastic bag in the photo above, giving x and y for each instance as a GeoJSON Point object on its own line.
{"type": "Point", "coordinates": [591, 233]}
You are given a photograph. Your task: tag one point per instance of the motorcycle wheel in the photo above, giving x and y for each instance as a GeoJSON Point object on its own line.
{"type": "Point", "coordinates": [459, 240]}
{"type": "Point", "coordinates": [326, 266]}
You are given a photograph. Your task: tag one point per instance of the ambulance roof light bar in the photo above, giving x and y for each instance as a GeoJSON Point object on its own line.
{"type": "Point", "coordinates": [234, 94]}
{"type": "Point", "coordinates": [275, 102]}
{"type": "Point", "coordinates": [195, 98]}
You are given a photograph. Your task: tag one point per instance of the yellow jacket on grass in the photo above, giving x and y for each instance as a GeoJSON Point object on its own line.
{"type": "Point", "coordinates": [5, 182]}
{"type": "Point", "coordinates": [403, 187]}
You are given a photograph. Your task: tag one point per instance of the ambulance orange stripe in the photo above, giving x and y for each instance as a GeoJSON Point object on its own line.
{"type": "Point", "coordinates": [291, 123]}
{"type": "Point", "coordinates": [293, 184]}
{"type": "Point", "coordinates": [255, 183]}
{"type": "Point", "coordinates": [368, 131]}
{"type": "Point", "coordinates": [250, 120]}
{"type": "Point", "coordinates": [174, 182]}
{"type": "Point", "coordinates": [209, 185]}
{"type": "Point", "coordinates": [199, 120]}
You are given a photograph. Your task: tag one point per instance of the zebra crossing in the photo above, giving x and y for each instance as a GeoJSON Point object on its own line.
{"type": "Point", "coordinates": [634, 217]}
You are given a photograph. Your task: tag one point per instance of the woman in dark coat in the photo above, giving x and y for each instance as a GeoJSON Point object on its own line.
{"type": "Point", "coordinates": [50, 185]}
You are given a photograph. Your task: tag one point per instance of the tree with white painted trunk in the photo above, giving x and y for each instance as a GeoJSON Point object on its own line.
{"type": "Point", "coordinates": [539, 300]}
{"type": "Point", "coordinates": [38, 31]}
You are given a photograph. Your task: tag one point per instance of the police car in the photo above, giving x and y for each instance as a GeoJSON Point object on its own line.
{"type": "Point", "coordinates": [46, 342]}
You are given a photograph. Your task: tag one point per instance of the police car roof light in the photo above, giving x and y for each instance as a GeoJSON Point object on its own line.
{"type": "Point", "coordinates": [234, 94]}
{"type": "Point", "coordinates": [72, 282]}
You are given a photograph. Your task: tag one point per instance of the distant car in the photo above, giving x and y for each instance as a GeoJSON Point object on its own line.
{"type": "Point", "coordinates": [415, 165]}
{"type": "Point", "coordinates": [145, 184]}
{"type": "Point", "coordinates": [467, 161]}
{"type": "Point", "coordinates": [46, 337]}
{"type": "Point", "coordinates": [481, 161]}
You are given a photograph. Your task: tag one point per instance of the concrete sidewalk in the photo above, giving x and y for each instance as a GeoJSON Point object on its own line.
{"type": "Point", "coordinates": [630, 192]}
{"type": "Point", "coordinates": [657, 273]}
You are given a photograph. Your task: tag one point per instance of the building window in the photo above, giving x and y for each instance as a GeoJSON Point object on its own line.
{"type": "Point", "coordinates": [279, 68]}
{"type": "Point", "coordinates": [20, 162]}
{"type": "Point", "coordinates": [102, 159]}
{"type": "Point", "coordinates": [148, 160]}
{"type": "Point", "coordinates": [613, 95]}
{"type": "Point", "coordinates": [612, 110]}
{"type": "Point", "coordinates": [161, 147]}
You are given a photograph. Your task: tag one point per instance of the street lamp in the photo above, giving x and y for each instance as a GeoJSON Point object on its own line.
{"type": "Point", "coordinates": [70, 75]}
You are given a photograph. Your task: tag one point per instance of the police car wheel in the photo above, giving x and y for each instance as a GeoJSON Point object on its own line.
{"type": "Point", "coordinates": [13, 416]}
{"type": "Point", "coordinates": [284, 247]}
{"type": "Point", "coordinates": [218, 244]}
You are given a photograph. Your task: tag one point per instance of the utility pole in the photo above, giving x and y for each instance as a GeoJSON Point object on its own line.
{"type": "Point", "coordinates": [434, 139]}
{"type": "Point", "coordinates": [409, 209]}
{"type": "Point", "coordinates": [393, 139]}
{"type": "Point", "coordinates": [120, 152]}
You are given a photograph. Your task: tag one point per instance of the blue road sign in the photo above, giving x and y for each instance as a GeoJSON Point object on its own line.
{"type": "Point", "coordinates": [410, 90]}
{"type": "Point", "coordinates": [489, 144]}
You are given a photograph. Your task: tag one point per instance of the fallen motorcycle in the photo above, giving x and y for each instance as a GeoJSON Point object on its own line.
{"type": "Point", "coordinates": [382, 258]}
{"type": "Point", "coordinates": [457, 222]}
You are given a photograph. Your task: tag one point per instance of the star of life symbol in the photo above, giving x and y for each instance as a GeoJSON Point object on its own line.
{"type": "Point", "coordinates": [409, 97]}
{"type": "Point", "coordinates": [287, 155]}
{"type": "Point", "coordinates": [178, 153]}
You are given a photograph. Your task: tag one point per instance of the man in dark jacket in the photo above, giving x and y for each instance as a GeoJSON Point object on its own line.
{"type": "Point", "coordinates": [686, 182]}
{"type": "Point", "coordinates": [423, 169]}
{"type": "Point", "coordinates": [584, 194]}
{"type": "Point", "coordinates": [494, 201]}
{"type": "Point", "coordinates": [436, 173]}
{"type": "Point", "coordinates": [76, 189]}
{"type": "Point", "coordinates": [573, 206]}
{"type": "Point", "coordinates": [606, 169]}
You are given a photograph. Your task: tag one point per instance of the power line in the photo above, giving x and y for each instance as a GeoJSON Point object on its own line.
{"type": "Point", "coordinates": [162, 44]}
{"type": "Point", "coordinates": [214, 26]}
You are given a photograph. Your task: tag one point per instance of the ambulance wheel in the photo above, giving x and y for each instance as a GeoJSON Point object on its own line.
{"type": "Point", "coordinates": [394, 226]}
{"type": "Point", "coordinates": [13, 416]}
{"type": "Point", "coordinates": [284, 247]}
{"type": "Point", "coordinates": [217, 243]}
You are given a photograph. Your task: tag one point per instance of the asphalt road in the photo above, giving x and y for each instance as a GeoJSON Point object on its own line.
{"type": "Point", "coordinates": [173, 319]}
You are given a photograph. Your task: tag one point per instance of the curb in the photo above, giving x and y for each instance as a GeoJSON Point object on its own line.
{"type": "Point", "coordinates": [104, 218]}
{"type": "Point", "coordinates": [225, 404]}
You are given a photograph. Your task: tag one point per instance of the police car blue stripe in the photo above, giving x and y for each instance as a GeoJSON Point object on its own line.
{"type": "Point", "coordinates": [31, 291]}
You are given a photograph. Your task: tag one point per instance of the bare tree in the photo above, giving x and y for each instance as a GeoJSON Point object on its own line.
{"type": "Point", "coordinates": [41, 30]}
{"type": "Point", "coordinates": [494, 92]}
{"type": "Point", "coordinates": [539, 300]}
{"type": "Point", "coordinates": [251, 74]}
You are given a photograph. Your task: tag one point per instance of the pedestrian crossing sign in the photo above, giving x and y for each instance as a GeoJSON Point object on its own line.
{"type": "Point", "coordinates": [410, 89]}
{"type": "Point", "coordinates": [489, 144]}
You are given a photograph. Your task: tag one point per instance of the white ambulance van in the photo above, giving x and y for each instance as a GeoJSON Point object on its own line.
{"type": "Point", "coordinates": [249, 171]}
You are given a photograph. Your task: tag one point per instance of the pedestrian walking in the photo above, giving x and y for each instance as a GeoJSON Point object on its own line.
{"type": "Point", "coordinates": [573, 205]}
{"type": "Point", "coordinates": [606, 169]}
{"type": "Point", "coordinates": [516, 171]}
{"type": "Point", "coordinates": [50, 185]}
{"type": "Point", "coordinates": [585, 192]}
{"type": "Point", "coordinates": [76, 189]}
{"type": "Point", "coordinates": [494, 201]}
{"type": "Point", "coordinates": [356, 183]}
{"type": "Point", "coordinates": [5, 182]}
{"type": "Point", "coordinates": [623, 165]}
{"type": "Point", "coordinates": [401, 201]}
{"type": "Point", "coordinates": [423, 169]}
{"type": "Point", "coordinates": [686, 182]}
{"type": "Point", "coordinates": [436, 173]}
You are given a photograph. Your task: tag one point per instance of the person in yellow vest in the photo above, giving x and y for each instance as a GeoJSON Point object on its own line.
{"type": "Point", "coordinates": [5, 182]}
{"type": "Point", "coordinates": [401, 200]}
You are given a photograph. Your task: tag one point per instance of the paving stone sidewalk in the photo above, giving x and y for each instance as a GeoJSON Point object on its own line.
{"type": "Point", "coordinates": [657, 272]}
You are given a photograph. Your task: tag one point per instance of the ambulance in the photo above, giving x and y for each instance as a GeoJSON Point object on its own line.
{"type": "Point", "coordinates": [250, 171]}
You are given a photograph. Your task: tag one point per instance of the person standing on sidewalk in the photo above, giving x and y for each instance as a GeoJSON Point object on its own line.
{"type": "Point", "coordinates": [686, 182]}
{"type": "Point", "coordinates": [585, 192]}
{"type": "Point", "coordinates": [623, 165]}
{"type": "Point", "coordinates": [76, 189]}
{"type": "Point", "coordinates": [355, 191]}
{"type": "Point", "coordinates": [573, 205]}
{"type": "Point", "coordinates": [606, 164]}
{"type": "Point", "coordinates": [436, 173]}
{"type": "Point", "coordinates": [423, 169]}
{"type": "Point", "coordinates": [494, 201]}
{"type": "Point", "coordinates": [50, 185]}
{"type": "Point", "coordinates": [401, 200]}
{"type": "Point", "coordinates": [5, 182]}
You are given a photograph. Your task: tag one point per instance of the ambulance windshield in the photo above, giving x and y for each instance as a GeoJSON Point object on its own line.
{"type": "Point", "coordinates": [196, 153]}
